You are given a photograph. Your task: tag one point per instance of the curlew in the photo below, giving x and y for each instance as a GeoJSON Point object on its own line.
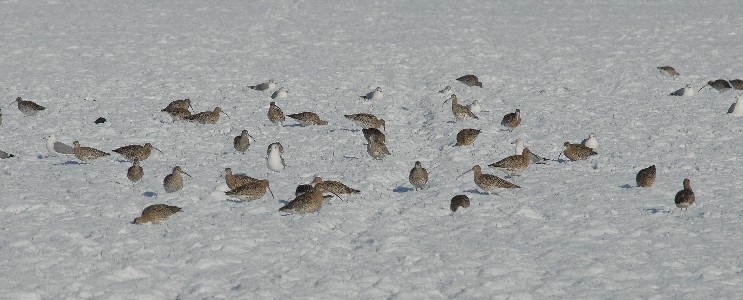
{"type": "Point", "coordinates": [373, 134]}
{"type": "Point", "coordinates": [418, 176]}
{"type": "Point", "coordinates": [366, 120]}
{"type": "Point", "coordinates": [275, 115]}
{"type": "Point", "coordinates": [334, 187]}
{"type": "Point", "coordinates": [514, 164]}
{"type": "Point", "coordinates": [251, 191]}
{"type": "Point", "coordinates": [519, 145]}
{"type": "Point", "coordinates": [156, 213]}
{"type": "Point", "coordinates": [28, 108]}
{"type": "Point", "coordinates": [685, 198]}
{"type": "Point", "coordinates": [512, 120]}
{"type": "Point", "coordinates": [377, 150]}
{"type": "Point", "coordinates": [459, 201]}
{"type": "Point", "coordinates": [470, 80]}
{"type": "Point", "coordinates": [206, 117]}
{"type": "Point", "coordinates": [721, 85]}
{"type": "Point", "coordinates": [179, 114]}
{"type": "Point", "coordinates": [460, 112]}
{"type": "Point", "coordinates": [308, 202]}
{"type": "Point", "coordinates": [668, 71]}
{"type": "Point", "coordinates": [490, 183]}
{"type": "Point", "coordinates": [308, 118]}
{"type": "Point", "coordinates": [577, 151]}
{"type": "Point", "coordinates": [173, 182]}
{"type": "Point", "coordinates": [184, 104]}
{"type": "Point", "coordinates": [235, 181]}
{"type": "Point", "coordinates": [646, 177]}
{"type": "Point", "coordinates": [467, 137]}
{"type": "Point", "coordinates": [136, 152]}
{"type": "Point", "coordinates": [135, 172]}
{"type": "Point", "coordinates": [87, 154]}
{"type": "Point", "coordinates": [241, 142]}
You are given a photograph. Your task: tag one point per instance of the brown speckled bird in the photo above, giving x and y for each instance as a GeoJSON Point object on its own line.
{"type": "Point", "coordinates": [514, 164]}
{"type": "Point", "coordinates": [721, 85]}
{"type": "Point", "coordinates": [685, 198]}
{"type": "Point", "coordinates": [470, 80]}
{"type": "Point", "coordinates": [173, 182]}
{"type": "Point", "coordinates": [737, 84]}
{"type": "Point", "coordinates": [251, 191]}
{"type": "Point", "coordinates": [156, 213]}
{"type": "Point", "coordinates": [206, 117]}
{"type": "Point", "coordinates": [668, 71]}
{"type": "Point", "coordinates": [418, 176]}
{"type": "Point", "coordinates": [87, 154]}
{"type": "Point", "coordinates": [241, 142]}
{"type": "Point", "coordinates": [467, 137]}
{"type": "Point", "coordinates": [135, 152]}
{"type": "Point", "coordinates": [28, 108]}
{"type": "Point", "coordinates": [459, 200]}
{"type": "Point", "coordinates": [366, 120]}
{"type": "Point", "coordinates": [235, 181]}
{"type": "Point", "coordinates": [184, 104]}
{"type": "Point", "coordinates": [135, 172]}
{"type": "Point", "coordinates": [512, 120]}
{"type": "Point", "coordinates": [334, 187]}
{"type": "Point", "coordinates": [646, 177]}
{"type": "Point", "coordinates": [373, 135]}
{"type": "Point", "coordinates": [309, 202]}
{"type": "Point", "coordinates": [490, 183]}
{"type": "Point", "coordinates": [275, 114]}
{"type": "Point", "coordinates": [460, 112]}
{"type": "Point", "coordinates": [577, 151]}
{"type": "Point", "coordinates": [308, 118]}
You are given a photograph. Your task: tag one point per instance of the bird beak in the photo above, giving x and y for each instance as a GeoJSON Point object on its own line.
{"type": "Point", "coordinates": [158, 150]}
{"type": "Point", "coordinates": [700, 89]}
{"type": "Point", "coordinates": [446, 101]}
{"type": "Point", "coordinates": [339, 197]}
{"type": "Point", "coordinates": [228, 116]}
{"type": "Point", "coordinates": [269, 189]}
{"type": "Point", "coordinates": [186, 174]}
{"type": "Point", "coordinates": [251, 137]}
{"type": "Point", "coordinates": [462, 174]}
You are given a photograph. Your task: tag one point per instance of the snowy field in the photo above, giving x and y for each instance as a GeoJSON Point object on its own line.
{"type": "Point", "coordinates": [574, 230]}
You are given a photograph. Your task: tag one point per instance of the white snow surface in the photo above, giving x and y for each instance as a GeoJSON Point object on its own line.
{"type": "Point", "coordinates": [574, 230]}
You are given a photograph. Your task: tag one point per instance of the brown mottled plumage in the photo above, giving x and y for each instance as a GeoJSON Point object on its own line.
{"type": "Point", "coordinates": [179, 114]}
{"type": "Point", "coordinates": [206, 117]}
{"type": "Point", "coordinates": [241, 142]}
{"type": "Point", "coordinates": [308, 118]}
{"type": "Point", "coordinates": [334, 187]}
{"type": "Point", "coordinates": [737, 84]}
{"type": "Point", "coordinates": [28, 108]}
{"type": "Point", "coordinates": [184, 104]}
{"type": "Point", "coordinates": [470, 80]}
{"type": "Point", "coordinates": [235, 181]}
{"type": "Point", "coordinates": [308, 202]}
{"type": "Point", "coordinates": [156, 213]}
{"type": "Point", "coordinates": [577, 151]}
{"type": "Point", "coordinates": [514, 164]}
{"type": "Point", "coordinates": [512, 120]}
{"type": "Point", "coordinates": [721, 85]}
{"type": "Point", "coordinates": [135, 172]}
{"type": "Point", "coordinates": [418, 176]}
{"type": "Point", "coordinates": [373, 134]}
{"type": "Point", "coordinates": [685, 198]}
{"type": "Point", "coordinates": [467, 136]}
{"type": "Point", "coordinates": [646, 177]}
{"type": "Point", "coordinates": [173, 182]}
{"type": "Point", "coordinates": [490, 183]}
{"type": "Point", "coordinates": [668, 71]}
{"type": "Point", "coordinates": [135, 152]}
{"type": "Point", "coordinates": [87, 154]}
{"type": "Point", "coordinates": [460, 112]}
{"type": "Point", "coordinates": [377, 150]}
{"type": "Point", "coordinates": [275, 115]}
{"type": "Point", "coordinates": [459, 200]}
{"type": "Point", "coordinates": [366, 120]}
{"type": "Point", "coordinates": [251, 191]}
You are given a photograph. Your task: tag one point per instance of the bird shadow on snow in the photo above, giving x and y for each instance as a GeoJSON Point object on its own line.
{"type": "Point", "coordinates": [149, 194]}
{"type": "Point", "coordinates": [70, 162]}
{"type": "Point", "coordinates": [626, 186]}
{"type": "Point", "coordinates": [655, 210]}
{"type": "Point", "coordinates": [476, 192]}
{"type": "Point", "coordinates": [402, 189]}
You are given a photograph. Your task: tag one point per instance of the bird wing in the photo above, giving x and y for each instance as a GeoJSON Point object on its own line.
{"type": "Point", "coordinates": [63, 148]}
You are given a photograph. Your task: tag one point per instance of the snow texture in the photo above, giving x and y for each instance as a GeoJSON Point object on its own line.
{"type": "Point", "coordinates": [574, 230]}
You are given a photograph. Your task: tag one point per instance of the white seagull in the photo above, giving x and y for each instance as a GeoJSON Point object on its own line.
{"type": "Point", "coordinates": [591, 142]}
{"type": "Point", "coordinates": [686, 91]}
{"type": "Point", "coordinates": [376, 94]}
{"type": "Point", "coordinates": [281, 93]}
{"type": "Point", "coordinates": [519, 143]}
{"type": "Point", "coordinates": [737, 108]}
{"type": "Point", "coordinates": [55, 148]}
{"type": "Point", "coordinates": [274, 161]}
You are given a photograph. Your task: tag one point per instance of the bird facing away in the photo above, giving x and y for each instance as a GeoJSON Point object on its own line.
{"type": "Point", "coordinates": [470, 80]}
{"type": "Point", "coordinates": [135, 152]}
{"type": "Point", "coordinates": [490, 183]}
{"type": "Point", "coordinates": [721, 85]}
{"type": "Point", "coordinates": [376, 94]}
{"type": "Point", "coordinates": [274, 160]}
{"type": "Point", "coordinates": [302, 188]}
{"type": "Point", "coordinates": [174, 182]}
{"type": "Point", "coordinates": [135, 172]}
{"type": "Point", "coordinates": [87, 154]}
{"type": "Point", "coordinates": [685, 198]}
{"type": "Point", "coordinates": [206, 117]}
{"type": "Point", "coordinates": [55, 147]}
{"type": "Point", "coordinates": [737, 108]}
{"type": "Point", "coordinates": [459, 201]}
{"type": "Point", "coordinates": [281, 93]}
{"type": "Point", "coordinates": [686, 91]}
{"type": "Point", "coordinates": [418, 176]}
{"type": "Point", "coordinates": [590, 141]}
{"type": "Point", "coordinates": [251, 191]}
{"type": "Point", "coordinates": [512, 120]}
{"type": "Point", "coordinates": [646, 177]}
{"type": "Point", "coordinates": [668, 71]}
{"type": "Point", "coordinates": [373, 134]}
{"type": "Point", "coordinates": [184, 104]}
{"type": "Point", "coordinates": [460, 112]}
{"type": "Point", "coordinates": [514, 164]}
{"type": "Point", "coordinates": [270, 85]}
{"type": "Point", "coordinates": [308, 118]}
{"type": "Point", "coordinates": [28, 108]}
{"type": "Point", "coordinates": [519, 145]}
{"type": "Point", "coordinates": [334, 187]}
{"type": "Point", "coordinates": [366, 120]}
{"type": "Point", "coordinates": [377, 150]}
{"type": "Point", "coordinates": [156, 213]}
{"type": "Point", "coordinates": [241, 142]}
{"type": "Point", "coordinates": [467, 137]}
{"type": "Point", "coordinates": [577, 151]}
{"type": "Point", "coordinates": [737, 84]}
{"type": "Point", "coordinates": [236, 181]}
{"type": "Point", "coordinates": [275, 115]}
{"type": "Point", "coordinates": [308, 202]}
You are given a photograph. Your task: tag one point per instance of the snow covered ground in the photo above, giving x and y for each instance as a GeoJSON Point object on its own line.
{"type": "Point", "coordinates": [574, 229]}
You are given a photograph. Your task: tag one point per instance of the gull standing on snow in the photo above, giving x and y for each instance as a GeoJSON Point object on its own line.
{"type": "Point", "coordinates": [591, 142]}
{"type": "Point", "coordinates": [281, 93]}
{"type": "Point", "coordinates": [274, 161]}
{"type": "Point", "coordinates": [376, 94]}
{"type": "Point", "coordinates": [270, 85]}
{"type": "Point", "coordinates": [737, 108]}
{"type": "Point", "coordinates": [474, 107]}
{"type": "Point", "coordinates": [686, 91]}
{"type": "Point", "coordinates": [55, 148]}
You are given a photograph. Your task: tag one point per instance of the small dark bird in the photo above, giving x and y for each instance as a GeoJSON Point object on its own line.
{"type": "Point", "coordinates": [100, 120]}
{"type": "Point", "coordinates": [470, 80]}
{"type": "Point", "coordinates": [646, 177]}
{"type": "Point", "coordinates": [685, 198]}
{"type": "Point", "coordinates": [459, 200]}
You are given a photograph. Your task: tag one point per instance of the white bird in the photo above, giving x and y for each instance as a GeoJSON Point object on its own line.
{"type": "Point", "coordinates": [474, 107]}
{"type": "Point", "coordinates": [274, 161]}
{"type": "Point", "coordinates": [686, 91]}
{"type": "Point", "coordinates": [446, 90]}
{"type": "Point", "coordinates": [376, 94]}
{"type": "Point", "coordinates": [519, 143]}
{"type": "Point", "coordinates": [55, 148]}
{"type": "Point", "coordinates": [591, 142]}
{"type": "Point", "coordinates": [737, 108]}
{"type": "Point", "coordinates": [281, 93]}
{"type": "Point", "coordinates": [270, 85]}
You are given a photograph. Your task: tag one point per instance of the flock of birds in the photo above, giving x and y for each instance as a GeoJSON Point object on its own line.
{"type": "Point", "coordinates": [310, 197]}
